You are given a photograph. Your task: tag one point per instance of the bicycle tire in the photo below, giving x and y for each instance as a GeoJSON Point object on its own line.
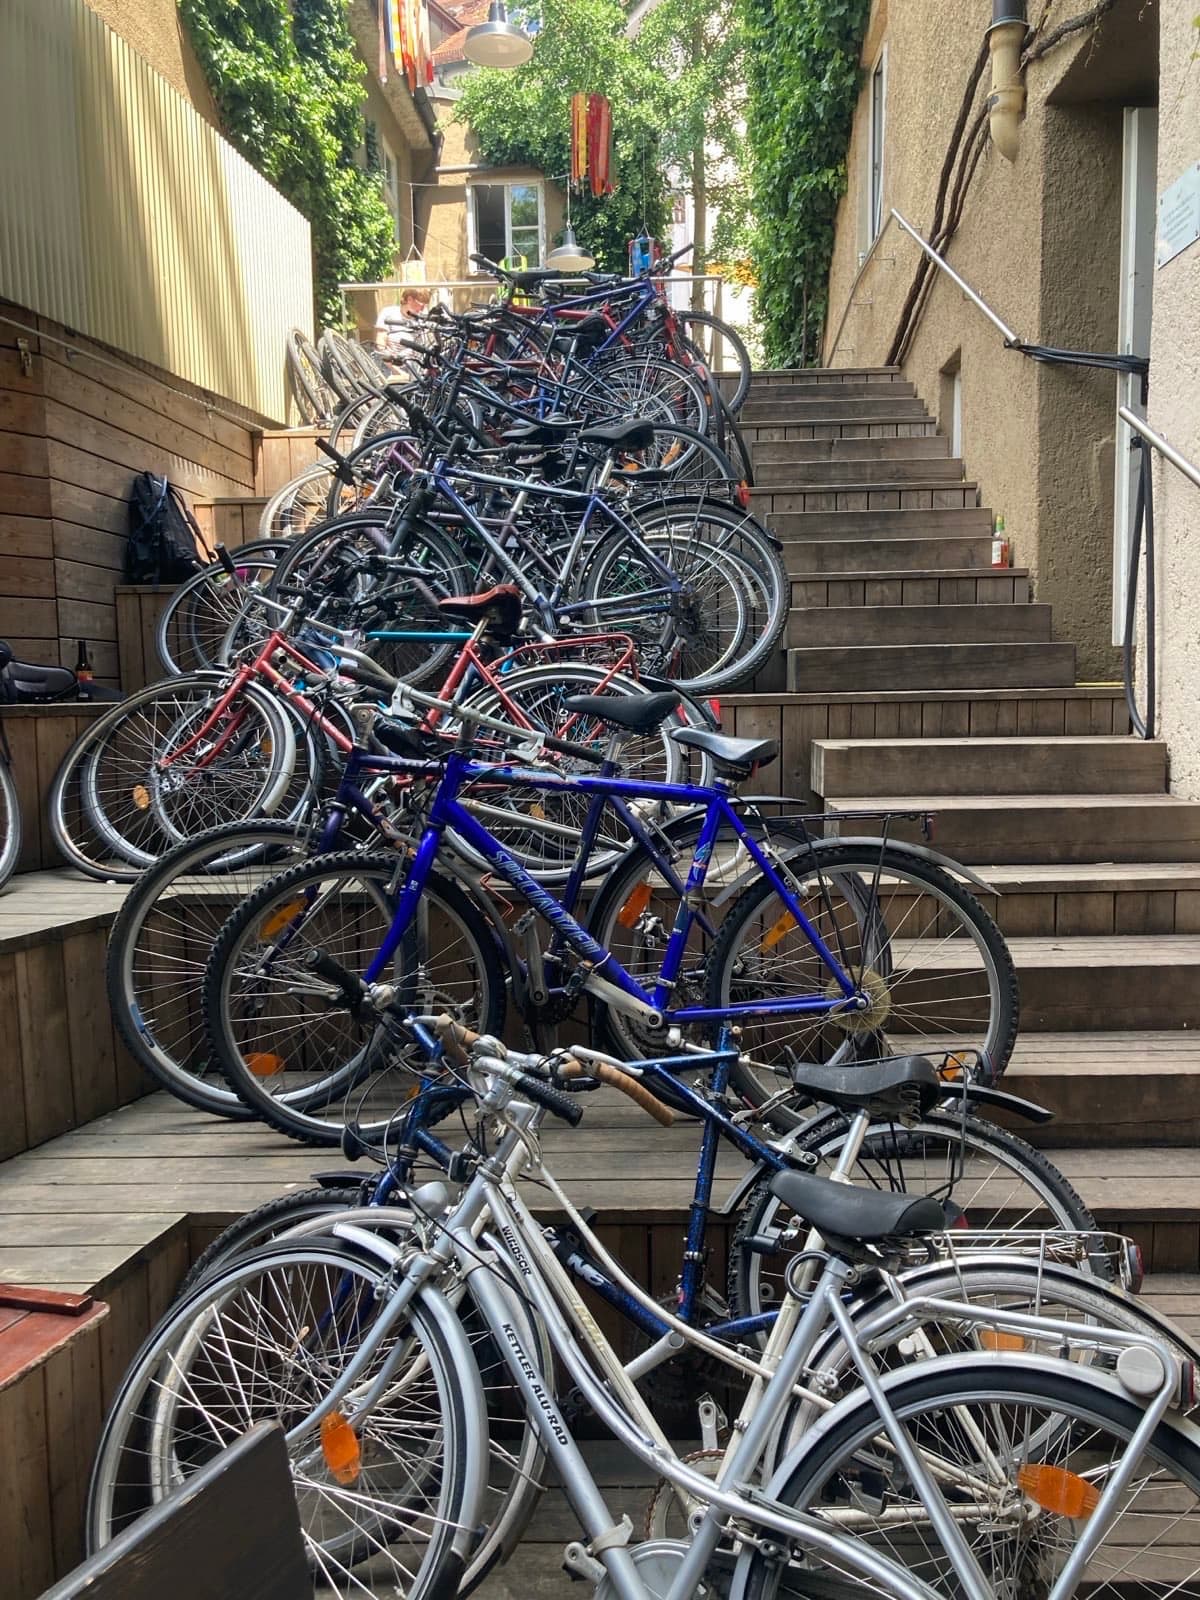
{"type": "Point", "coordinates": [648, 385]}
{"type": "Point", "coordinates": [731, 342]}
{"type": "Point", "coordinates": [335, 1061]}
{"type": "Point", "coordinates": [312, 395]}
{"type": "Point", "coordinates": [1003, 1182]}
{"type": "Point", "coordinates": [366, 461]}
{"type": "Point", "coordinates": [752, 962]}
{"type": "Point", "coordinates": [267, 1223]}
{"type": "Point", "coordinates": [146, 1446]}
{"type": "Point", "coordinates": [156, 957]}
{"type": "Point", "coordinates": [298, 505]}
{"type": "Point", "coordinates": [1078, 1406]}
{"type": "Point", "coordinates": [182, 801]}
{"type": "Point", "coordinates": [95, 852]}
{"type": "Point", "coordinates": [335, 368]}
{"type": "Point", "coordinates": [197, 617]}
{"type": "Point", "coordinates": [10, 821]}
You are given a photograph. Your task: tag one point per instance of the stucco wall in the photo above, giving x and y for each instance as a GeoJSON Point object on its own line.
{"type": "Point", "coordinates": [1039, 240]}
{"type": "Point", "coordinates": [153, 28]}
{"type": "Point", "coordinates": [1174, 412]}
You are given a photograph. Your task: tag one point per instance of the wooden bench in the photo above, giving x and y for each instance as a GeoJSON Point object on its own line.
{"type": "Point", "coordinates": [231, 1529]}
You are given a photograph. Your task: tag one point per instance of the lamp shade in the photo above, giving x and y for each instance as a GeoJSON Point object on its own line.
{"type": "Point", "coordinates": [569, 256]}
{"type": "Point", "coordinates": [497, 42]}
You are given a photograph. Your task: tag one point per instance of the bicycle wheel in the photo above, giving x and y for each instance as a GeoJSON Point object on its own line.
{"type": "Point", "coordinates": [690, 630]}
{"type": "Point", "coordinates": [306, 1059]}
{"type": "Point", "coordinates": [162, 938]}
{"type": "Point", "coordinates": [337, 367]}
{"type": "Point", "coordinates": [724, 354]}
{"type": "Point", "coordinates": [931, 963]}
{"type": "Point", "coordinates": [539, 827]}
{"type": "Point", "coordinates": [197, 618]}
{"type": "Point", "coordinates": [647, 384]}
{"type": "Point", "coordinates": [515, 1454]}
{"type": "Point", "coordinates": [986, 1178]}
{"type": "Point", "coordinates": [690, 534]}
{"type": "Point", "coordinates": [101, 809]}
{"type": "Point", "coordinates": [296, 507]}
{"type": "Point", "coordinates": [314, 399]}
{"type": "Point", "coordinates": [10, 821]}
{"type": "Point", "coordinates": [161, 760]}
{"type": "Point", "coordinates": [1018, 1448]}
{"type": "Point", "coordinates": [377, 465]}
{"type": "Point", "coordinates": [266, 1341]}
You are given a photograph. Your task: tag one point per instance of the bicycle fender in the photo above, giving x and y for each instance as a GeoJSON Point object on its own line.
{"type": "Point", "coordinates": [934, 857]}
{"type": "Point", "coordinates": [755, 1175]}
{"type": "Point", "coordinates": [701, 712]}
{"type": "Point", "coordinates": [986, 1094]}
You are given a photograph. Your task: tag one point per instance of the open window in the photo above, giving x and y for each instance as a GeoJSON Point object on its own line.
{"type": "Point", "coordinates": [507, 222]}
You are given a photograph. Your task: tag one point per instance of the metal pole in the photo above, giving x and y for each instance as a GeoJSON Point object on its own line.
{"type": "Point", "coordinates": [1140, 425]}
{"type": "Point", "coordinates": [1009, 335]}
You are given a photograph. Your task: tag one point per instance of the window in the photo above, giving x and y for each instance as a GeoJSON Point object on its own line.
{"type": "Point", "coordinates": [875, 152]}
{"type": "Point", "coordinates": [506, 221]}
{"type": "Point", "coordinates": [391, 186]}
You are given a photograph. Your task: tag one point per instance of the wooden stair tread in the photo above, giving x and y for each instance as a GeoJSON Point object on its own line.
{"type": "Point", "coordinates": [909, 575]}
{"type": "Point", "coordinates": [861, 486]}
{"type": "Point", "coordinates": [1015, 743]}
{"type": "Point", "coordinates": [1003, 802]}
{"type": "Point", "coordinates": [1100, 877]}
{"type": "Point", "coordinates": [1078, 691]}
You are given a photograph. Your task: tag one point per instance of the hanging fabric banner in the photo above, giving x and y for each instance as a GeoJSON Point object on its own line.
{"type": "Point", "coordinates": [579, 137]}
{"type": "Point", "coordinates": [424, 49]}
{"type": "Point", "coordinates": [383, 44]}
{"type": "Point", "coordinates": [599, 140]}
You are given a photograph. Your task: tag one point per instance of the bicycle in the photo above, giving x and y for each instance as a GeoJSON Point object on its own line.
{"type": "Point", "coordinates": [840, 991]}
{"type": "Point", "coordinates": [919, 1433]}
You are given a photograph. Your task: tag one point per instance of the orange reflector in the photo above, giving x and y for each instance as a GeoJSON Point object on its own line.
{"type": "Point", "coordinates": [278, 920]}
{"type": "Point", "coordinates": [1056, 1489]}
{"type": "Point", "coordinates": [635, 905]}
{"type": "Point", "coordinates": [780, 930]}
{"type": "Point", "coordinates": [538, 811]}
{"type": "Point", "coordinates": [264, 1063]}
{"type": "Point", "coordinates": [340, 1447]}
{"type": "Point", "coordinates": [141, 797]}
{"type": "Point", "coordinates": [991, 1340]}
{"type": "Point", "coordinates": [954, 1066]}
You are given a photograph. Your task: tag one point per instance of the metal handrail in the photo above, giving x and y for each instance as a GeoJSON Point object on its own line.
{"type": "Point", "coordinates": [1144, 440]}
{"type": "Point", "coordinates": [866, 261]}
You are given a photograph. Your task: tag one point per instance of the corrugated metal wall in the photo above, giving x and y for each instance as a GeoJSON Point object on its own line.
{"type": "Point", "coordinates": [126, 216]}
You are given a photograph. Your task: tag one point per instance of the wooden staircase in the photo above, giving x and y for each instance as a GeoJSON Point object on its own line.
{"type": "Point", "coordinates": [915, 675]}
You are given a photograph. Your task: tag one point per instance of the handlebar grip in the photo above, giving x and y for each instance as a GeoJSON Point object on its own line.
{"type": "Point", "coordinates": [457, 1038]}
{"type": "Point", "coordinates": [551, 1099]}
{"type": "Point", "coordinates": [616, 1079]}
{"type": "Point", "coordinates": [226, 560]}
{"type": "Point", "coordinates": [581, 752]}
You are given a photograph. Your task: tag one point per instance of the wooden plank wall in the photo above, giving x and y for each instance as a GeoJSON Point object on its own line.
{"type": "Point", "coordinates": [64, 1063]}
{"type": "Point", "coordinates": [74, 430]}
{"type": "Point", "coordinates": [39, 737]}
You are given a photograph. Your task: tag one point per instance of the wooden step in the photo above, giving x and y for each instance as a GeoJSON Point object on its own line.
{"type": "Point", "coordinates": [1069, 898]}
{"type": "Point", "coordinates": [1089, 765]}
{"type": "Point", "coordinates": [961, 586]}
{"type": "Point", "coordinates": [1009, 828]}
{"type": "Point", "coordinates": [875, 427]}
{"type": "Point", "coordinates": [807, 407]}
{"type": "Point", "coordinates": [821, 377]}
{"type": "Point", "coordinates": [933, 666]}
{"type": "Point", "coordinates": [858, 473]}
{"type": "Point", "coordinates": [932, 624]}
{"type": "Point", "coordinates": [925, 447]}
{"type": "Point", "coordinates": [863, 387]}
{"type": "Point", "coordinates": [931, 495]}
{"type": "Point", "coordinates": [1119, 1088]}
{"type": "Point", "coordinates": [897, 558]}
{"type": "Point", "coordinates": [886, 524]}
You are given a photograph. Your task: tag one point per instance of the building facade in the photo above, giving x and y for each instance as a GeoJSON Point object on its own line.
{"type": "Point", "coordinates": [1057, 236]}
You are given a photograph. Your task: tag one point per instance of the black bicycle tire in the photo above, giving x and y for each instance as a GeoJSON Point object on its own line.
{"type": "Point", "coordinates": [10, 821]}
{"type": "Point", "coordinates": [884, 858]}
{"type": "Point", "coordinates": [734, 339]}
{"type": "Point", "coordinates": [275, 1112]}
{"type": "Point", "coordinates": [308, 383]}
{"type": "Point", "coordinates": [965, 1380]}
{"type": "Point", "coordinates": [266, 1222]}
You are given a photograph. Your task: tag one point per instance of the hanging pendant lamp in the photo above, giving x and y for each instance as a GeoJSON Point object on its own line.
{"type": "Point", "coordinates": [570, 256]}
{"type": "Point", "coordinates": [497, 42]}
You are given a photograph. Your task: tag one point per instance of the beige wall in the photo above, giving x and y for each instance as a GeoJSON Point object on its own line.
{"type": "Point", "coordinates": [1039, 240]}
{"type": "Point", "coordinates": [155, 30]}
{"type": "Point", "coordinates": [1174, 387]}
{"type": "Point", "coordinates": [444, 208]}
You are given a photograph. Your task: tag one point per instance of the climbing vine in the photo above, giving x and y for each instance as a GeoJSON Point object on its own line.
{"type": "Point", "coordinates": [290, 90]}
{"type": "Point", "coordinates": [803, 78]}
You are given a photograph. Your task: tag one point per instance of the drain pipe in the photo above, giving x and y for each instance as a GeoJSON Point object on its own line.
{"type": "Point", "coordinates": [1006, 103]}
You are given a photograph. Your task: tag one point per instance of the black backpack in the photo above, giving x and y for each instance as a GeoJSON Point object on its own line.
{"type": "Point", "coordinates": [164, 536]}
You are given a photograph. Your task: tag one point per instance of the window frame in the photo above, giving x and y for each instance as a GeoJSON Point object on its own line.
{"type": "Point", "coordinates": [508, 185]}
{"type": "Point", "coordinates": [876, 147]}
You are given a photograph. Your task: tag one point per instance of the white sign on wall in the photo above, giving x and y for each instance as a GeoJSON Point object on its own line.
{"type": "Point", "coordinates": [1178, 215]}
